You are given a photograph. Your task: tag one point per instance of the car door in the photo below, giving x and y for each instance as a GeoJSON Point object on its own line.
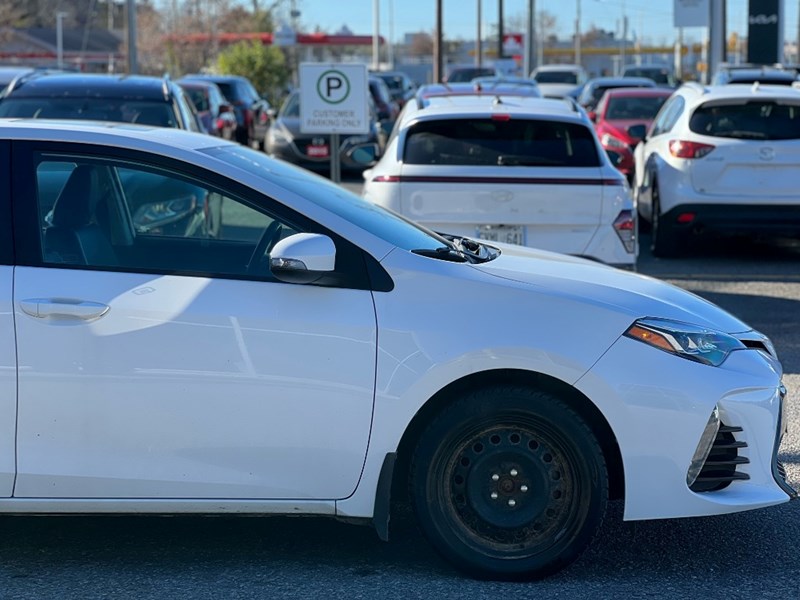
{"type": "Point", "coordinates": [8, 358]}
{"type": "Point", "coordinates": [160, 361]}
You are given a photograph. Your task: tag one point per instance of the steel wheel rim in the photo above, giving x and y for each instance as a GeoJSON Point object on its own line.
{"type": "Point", "coordinates": [512, 489]}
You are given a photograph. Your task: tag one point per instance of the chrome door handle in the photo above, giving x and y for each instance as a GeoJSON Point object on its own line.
{"type": "Point", "coordinates": [63, 308]}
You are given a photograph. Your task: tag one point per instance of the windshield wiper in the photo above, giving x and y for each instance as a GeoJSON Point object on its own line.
{"type": "Point", "coordinates": [450, 253]}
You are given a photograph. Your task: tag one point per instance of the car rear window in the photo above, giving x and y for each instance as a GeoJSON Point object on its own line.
{"type": "Point", "coordinates": [753, 120]}
{"type": "Point", "coordinates": [512, 142]}
{"type": "Point", "coordinates": [144, 112]}
{"type": "Point", "coordinates": [642, 107]}
{"type": "Point", "coordinates": [557, 77]}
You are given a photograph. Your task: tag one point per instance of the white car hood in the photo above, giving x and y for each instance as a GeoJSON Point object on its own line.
{"type": "Point", "coordinates": [622, 291]}
{"type": "Point", "coordinates": [556, 90]}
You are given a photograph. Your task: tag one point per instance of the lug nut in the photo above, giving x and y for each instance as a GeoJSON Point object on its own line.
{"type": "Point", "coordinates": [513, 472]}
{"type": "Point", "coordinates": [523, 488]}
{"type": "Point", "coordinates": [495, 477]}
{"type": "Point", "coordinates": [512, 502]}
{"type": "Point", "coordinates": [494, 495]}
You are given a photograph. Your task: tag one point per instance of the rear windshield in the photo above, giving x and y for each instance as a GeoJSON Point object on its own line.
{"type": "Point", "coordinates": [661, 76]}
{"type": "Point", "coordinates": [95, 109]}
{"type": "Point", "coordinates": [515, 142]}
{"type": "Point", "coordinates": [643, 107]}
{"type": "Point", "coordinates": [557, 77]}
{"type": "Point", "coordinates": [754, 120]}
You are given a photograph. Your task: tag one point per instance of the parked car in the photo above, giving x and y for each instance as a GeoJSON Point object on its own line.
{"type": "Point", "coordinates": [558, 81]}
{"type": "Point", "coordinates": [721, 160]}
{"type": "Point", "coordinates": [594, 89]}
{"type": "Point", "coordinates": [386, 108]}
{"type": "Point", "coordinates": [661, 74]}
{"type": "Point", "coordinates": [515, 169]}
{"type": "Point", "coordinates": [401, 87]}
{"type": "Point", "coordinates": [622, 118]}
{"type": "Point", "coordinates": [727, 73]}
{"type": "Point", "coordinates": [505, 80]}
{"type": "Point", "coordinates": [212, 107]}
{"type": "Point", "coordinates": [467, 74]}
{"type": "Point", "coordinates": [132, 99]}
{"type": "Point", "coordinates": [152, 101]}
{"type": "Point", "coordinates": [252, 111]}
{"type": "Point", "coordinates": [284, 140]}
{"type": "Point", "coordinates": [322, 351]}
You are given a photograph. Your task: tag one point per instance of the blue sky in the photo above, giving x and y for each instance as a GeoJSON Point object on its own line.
{"type": "Point", "coordinates": [650, 19]}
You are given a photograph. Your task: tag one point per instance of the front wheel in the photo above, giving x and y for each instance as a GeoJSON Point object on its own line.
{"type": "Point", "coordinates": [509, 483]}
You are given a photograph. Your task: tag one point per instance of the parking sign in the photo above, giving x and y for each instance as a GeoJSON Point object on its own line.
{"type": "Point", "coordinates": [333, 98]}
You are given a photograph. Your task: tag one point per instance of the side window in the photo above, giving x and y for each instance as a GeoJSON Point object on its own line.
{"type": "Point", "coordinates": [102, 214]}
{"type": "Point", "coordinates": [668, 115]}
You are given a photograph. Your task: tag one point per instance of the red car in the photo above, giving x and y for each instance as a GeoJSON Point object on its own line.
{"type": "Point", "coordinates": [619, 118]}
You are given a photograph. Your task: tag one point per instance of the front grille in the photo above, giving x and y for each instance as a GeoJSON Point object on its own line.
{"type": "Point", "coordinates": [719, 470]}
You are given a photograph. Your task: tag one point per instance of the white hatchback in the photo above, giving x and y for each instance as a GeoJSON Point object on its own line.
{"type": "Point", "coordinates": [313, 352]}
{"type": "Point", "coordinates": [722, 160]}
{"type": "Point", "coordinates": [526, 171]}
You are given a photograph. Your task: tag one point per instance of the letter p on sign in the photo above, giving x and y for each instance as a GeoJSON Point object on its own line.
{"type": "Point", "coordinates": [333, 87]}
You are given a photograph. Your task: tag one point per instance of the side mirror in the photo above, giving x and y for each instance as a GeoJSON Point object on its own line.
{"type": "Point", "coordinates": [637, 131]}
{"type": "Point", "coordinates": [364, 154]}
{"type": "Point", "coordinates": [616, 157]}
{"type": "Point", "coordinates": [302, 258]}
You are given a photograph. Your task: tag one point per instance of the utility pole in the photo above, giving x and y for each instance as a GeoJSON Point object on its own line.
{"type": "Point", "coordinates": [60, 38]}
{"type": "Point", "coordinates": [578, 33]}
{"type": "Point", "coordinates": [376, 39]}
{"type": "Point", "coordinates": [478, 46]}
{"type": "Point", "coordinates": [499, 29]}
{"type": "Point", "coordinates": [437, 45]}
{"type": "Point", "coordinates": [529, 61]}
{"type": "Point", "coordinates": [133, 68]}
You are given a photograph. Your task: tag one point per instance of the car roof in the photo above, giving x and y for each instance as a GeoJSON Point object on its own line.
{"type": "Point", "coordinates": [638, 92]}
{"type": "Point", "coordinates": [774, 74]}
{"type": "Point", "coordinates": [213, 78]}
{"type": "Point", "coordinates": [491, 89]}
{"type": "Point", "coordinates": [129, 135]}
{"type": "Point", "coordinates": [620, 81]}
{"type": "Point", "coordinates": [482, 106]}
{"type": "Point", "coordinates": [558, 68]}
{"type": "Point", "coordinates": [734, 91]}
{"type": "Point", "coordinates": [48, 84]}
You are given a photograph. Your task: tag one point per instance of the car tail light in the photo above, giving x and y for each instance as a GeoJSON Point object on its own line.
{"type": "Point", "coordinates": [686, 149]}
{"type": "Point", "coordinates": [625, 227]}
{"type": "Point", "coordinates": [501, 117]}
{"type": "Point", "coordinates": [685, 218]}
{"type": "Point", "coordinates": [386, 179]}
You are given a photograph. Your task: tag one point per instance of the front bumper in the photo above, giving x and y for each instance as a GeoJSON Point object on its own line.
{"type": "Point", "coordinates": [658, 410]}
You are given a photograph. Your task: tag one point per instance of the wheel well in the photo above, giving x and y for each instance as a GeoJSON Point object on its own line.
{"type": "Point", "coordinates": [574, 398]}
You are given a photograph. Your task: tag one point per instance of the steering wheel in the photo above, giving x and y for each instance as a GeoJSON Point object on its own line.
{"type": "Point", "coordinates": [267, 240]}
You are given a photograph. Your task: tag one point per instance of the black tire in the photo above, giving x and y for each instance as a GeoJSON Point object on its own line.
{"type": "Point", "coordinates": [509, 483]}
{"type": "Point", "coordinates": [664, 241]}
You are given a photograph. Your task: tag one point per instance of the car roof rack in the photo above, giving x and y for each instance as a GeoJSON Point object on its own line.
{"type": "Point", "coordinates": [20, 80]}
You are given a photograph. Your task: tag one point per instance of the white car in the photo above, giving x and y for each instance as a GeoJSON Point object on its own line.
{"type": "Point", "coordinates": [720, 159]}
{"type": "Point", "coordinates": [558, 81]}
{"type": "Point", "coordinates": [514, 169]}
{"type": "Point", "coordinates": [319, 349]}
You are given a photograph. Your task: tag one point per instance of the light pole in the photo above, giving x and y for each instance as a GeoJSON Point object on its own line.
{"type": "Point", "coordinates": [578, 33]}
{"type": "Point", "coordinates": [376, 40]}
{"type": "Point", "coordinates": [60, 39]}
{"type": "Point", "coordinates": [478, 48]}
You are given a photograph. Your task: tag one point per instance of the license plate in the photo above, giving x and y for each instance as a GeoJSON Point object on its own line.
{"type": "Point", "coordinates": [509, 234]}
{"type": "Point", "coordinates": [317, 151]}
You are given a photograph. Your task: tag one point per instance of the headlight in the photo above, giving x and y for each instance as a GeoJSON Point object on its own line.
{"type": "Point", "coordinates": [612, 142]}
{"type": "Point", "coordinates": [689, 341]}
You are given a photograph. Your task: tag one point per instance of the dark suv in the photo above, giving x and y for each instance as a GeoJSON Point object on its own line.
{"type": "Point", "coordinates": [251, 109]}
{"type": "Point", "coordinates": [132, 99]}
{"type": "Point", "coordinates": [167, 206]}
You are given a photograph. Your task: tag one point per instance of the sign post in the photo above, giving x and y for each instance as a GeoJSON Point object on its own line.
{"type": "Point", "coordinates": [333, 101]}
